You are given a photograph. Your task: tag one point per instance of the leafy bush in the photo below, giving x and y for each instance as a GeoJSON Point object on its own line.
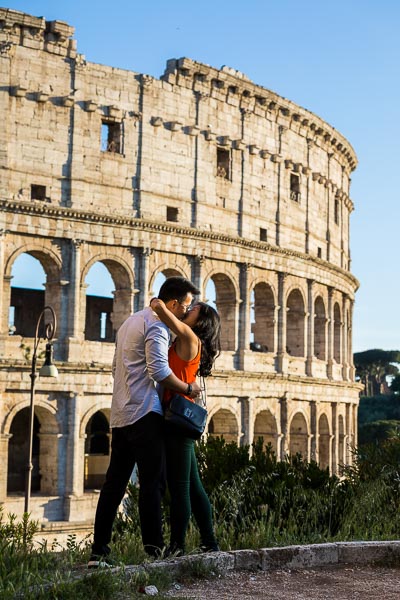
{"type": "Point", "coordinates": [377, 431]}
{"type": "Point", "coordinates": [378, 408]}
{"type": "Point", "coordinates": [258, 502]}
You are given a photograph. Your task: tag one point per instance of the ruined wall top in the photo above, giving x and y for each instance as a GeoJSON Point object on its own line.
{"type": "Point", "coordinates": [35, 32]}
{"type": "Point", "coordinates": [227, 84]}
{"type": "Point", "coordinates": [231, 83]}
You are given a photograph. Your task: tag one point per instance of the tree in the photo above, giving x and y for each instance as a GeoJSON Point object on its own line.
{"type": "Point", "coordinates": [395, 385]}
{"type": "Point", "coordinates": [372, 368]}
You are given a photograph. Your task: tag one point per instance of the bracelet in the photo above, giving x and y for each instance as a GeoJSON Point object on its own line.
{"type": "Point", "coordinates": [189, 389]}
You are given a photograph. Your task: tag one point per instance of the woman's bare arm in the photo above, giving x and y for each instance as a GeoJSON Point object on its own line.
{"type": "Point", "coordinates": [183, 331]}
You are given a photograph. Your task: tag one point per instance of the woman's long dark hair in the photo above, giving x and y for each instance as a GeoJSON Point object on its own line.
{"type": "Point", "coordinates": [208, 330]}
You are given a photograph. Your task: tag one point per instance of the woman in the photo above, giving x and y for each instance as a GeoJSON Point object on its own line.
{"type": "Point", "coordinates": [194, 351]}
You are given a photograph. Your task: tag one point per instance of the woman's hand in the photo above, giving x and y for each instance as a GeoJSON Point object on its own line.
{"type": "Point", "coordinates": [156, 303]}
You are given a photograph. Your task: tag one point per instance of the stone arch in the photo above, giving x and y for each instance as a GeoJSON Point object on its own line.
{"type": "Point", "coordinates": [45, 448]}
{"type": "Point", "coordinates": [48, 258]}
{"type": "Point", "coordinates": [103, 405]}
{"type": "Point", "coordinates": [263, 327]}
{"type": "Point", "coordinates": [337, 329]}
{"type": "Point", "coordinates": [298, 436]}
{"type": "Point", "coordinates": [97, 449]}
{"type": "Point", "coordinates": [115, 309]}
{"type": "Point", "coordinates": [226, 295]}
{"type": "Point", "coordinates": [223, 422]}
{"type": "Point", "coordinates": [319, 329]}
{"type": "Point", "coordinates": [167, 271]}
{"type": "Point", "coordinates": [324, 438]}
{"type": "Point", "coordinates": [295, 323]}
{"type": "Point", "coordinates": [265, 427]}
{"type": "Point", "coordinates": [28, 304]}
{"type": "Point", "coordinates": [40, 405]}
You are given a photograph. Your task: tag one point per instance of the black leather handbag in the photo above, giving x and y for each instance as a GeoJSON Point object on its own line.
{"type": "Point", "coordinates": [186, 417]}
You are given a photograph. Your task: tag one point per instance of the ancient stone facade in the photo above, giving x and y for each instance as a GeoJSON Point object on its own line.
{"type": "Point", "coordinates": [200, 173]}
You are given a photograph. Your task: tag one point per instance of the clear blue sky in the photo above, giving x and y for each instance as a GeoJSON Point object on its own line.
{"type": "Point", "coordinates": [339, 59]}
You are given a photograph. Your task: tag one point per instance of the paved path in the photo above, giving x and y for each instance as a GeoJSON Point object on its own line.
{"type": "Point", "coordinates": [338, 582]}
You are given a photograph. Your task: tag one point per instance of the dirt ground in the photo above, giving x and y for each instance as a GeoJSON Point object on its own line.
{"type": "Point", "coordinates": [334, 582]}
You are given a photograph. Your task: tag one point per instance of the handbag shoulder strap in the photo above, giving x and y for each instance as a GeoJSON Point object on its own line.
{"type": "Point", "coordinates": [203, 399]}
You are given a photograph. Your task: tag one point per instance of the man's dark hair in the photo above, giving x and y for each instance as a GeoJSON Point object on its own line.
{"type": "Point", "coordinates": [177, 288]}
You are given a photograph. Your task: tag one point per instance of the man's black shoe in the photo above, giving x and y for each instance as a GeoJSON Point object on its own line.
{"type": "Point", "coordinates": [210, 548]}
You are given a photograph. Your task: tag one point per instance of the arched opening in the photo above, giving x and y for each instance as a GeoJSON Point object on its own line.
{"type": "Point", "coordinates": [27, 298]}
{"type": "Point", "coordinates": [295, 324]}
{"type": "Point", "coordinates": [44, 452]}
{"type": "Point", "coordinates": [99, 304]}
{"type": "Point", "coordinates": [265, 428]}
{"type": "Point", "coordinates": [97, 450]}
{"type": "Point", "coordinates": [298, 442]}
{"type": "Point", "coordinates": [223, 423]}
{"type": "Point", "coordinates": [336, 333]}
{"type": "Point", "coordinates": [225, 303]}
{"type": "Point", "coordinates": [323, 443]}
{"type": "Point", "coordinates": [161, 277]}
{"type": "Point", "coordinates": [319, 329]}
{"type": "Point", "coordinates": [18, 449]}
{"type": "Point", "coordinates": [262, 321]}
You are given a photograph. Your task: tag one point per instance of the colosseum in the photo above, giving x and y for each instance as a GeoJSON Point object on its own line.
{"type": "Point", "coordinates": [200, 173]}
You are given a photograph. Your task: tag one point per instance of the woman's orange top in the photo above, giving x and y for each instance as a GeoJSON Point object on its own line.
{"type": "Point", "coordinates": [185, 370]}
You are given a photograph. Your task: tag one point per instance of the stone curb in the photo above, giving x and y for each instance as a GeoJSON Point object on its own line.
{"type": "Point", "coordinates": [287, 557]}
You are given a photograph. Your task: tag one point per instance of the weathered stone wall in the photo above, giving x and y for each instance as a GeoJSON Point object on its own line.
{"type": "Point", "coordinates": [201, 173]}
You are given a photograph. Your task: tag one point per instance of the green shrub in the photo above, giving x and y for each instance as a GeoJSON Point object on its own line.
{"type": "Point", "coordinates": [378, 408]}
{"type": "Point", "coordinates": [377, 431]}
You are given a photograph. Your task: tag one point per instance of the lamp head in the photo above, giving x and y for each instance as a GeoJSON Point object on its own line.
{"type": "Point", "coordinates": [49, 369]}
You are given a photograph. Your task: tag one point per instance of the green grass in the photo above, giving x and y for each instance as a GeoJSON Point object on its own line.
{"type": "Point", "coordinates": [258, 502]}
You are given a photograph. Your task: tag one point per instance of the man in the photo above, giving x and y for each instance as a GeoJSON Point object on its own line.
{"type": "Point", "coordinates": [140, 360]}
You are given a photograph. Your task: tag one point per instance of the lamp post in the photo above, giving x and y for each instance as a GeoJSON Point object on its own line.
{"type": "Point", "coordinates": [47, 370]}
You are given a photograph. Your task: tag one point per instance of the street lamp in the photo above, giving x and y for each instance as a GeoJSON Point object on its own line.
{"type": "Point", "coordinates": [47, 370]}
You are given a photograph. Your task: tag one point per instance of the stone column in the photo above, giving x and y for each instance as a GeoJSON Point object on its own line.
{"type": "Point", "coordinates": [307, 171]}
{"type": "Point", "coordinates": [281, 358]}
{"type": "Point", "coordinates": [348, 429]}
{"type": "Point", "coordinates": [344, 342]}
{"type": "Point", "coordinates": [6, 300]}
{"type": "Point", "coordinates": [284, 449]}
{"type": "Point", "coordinates": [244, 313]}
{"type": "Point", "coordinates": [335, 440]}
{"type": "Point", "coordinates": [278, 160]}
{"type": "Point", "coordinates": [4, 441]}
{"type": "Point", "coordinates": [310, 328]}
{"type": "Point", "coordinates": [198, 194]}
{"type": "Point", "coordinates": [144, 115]}
{"type": "Point", "coordinates": [247, 420]}
{"type": "Point", "coordinates": [328, 212]}
{"type": "Point", "coordinates": [144, 278]}
{"type": "Point", "coordinates": [350, 343]}
{"type": "Point", "coordinates": [49, 463]}
{"type": "Point", "coordinates": [245, 116]}
{"type": "Point", "coordinates": [3, 305]}
{"type": "Point", "coordinates": [313, 431]}
{"type": "Point", "coordinates": [122, 306]}
{"type": "Point", "coordinates": [197, 274]}
{"type": "Point", "coordinates": [75, 449]}
{"type": "Point", "coordinates": [331, 334]}
{"type": "Point", "coordinates": [74, 312]}
{"type": "Point", "coordinates": [355, 421]}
